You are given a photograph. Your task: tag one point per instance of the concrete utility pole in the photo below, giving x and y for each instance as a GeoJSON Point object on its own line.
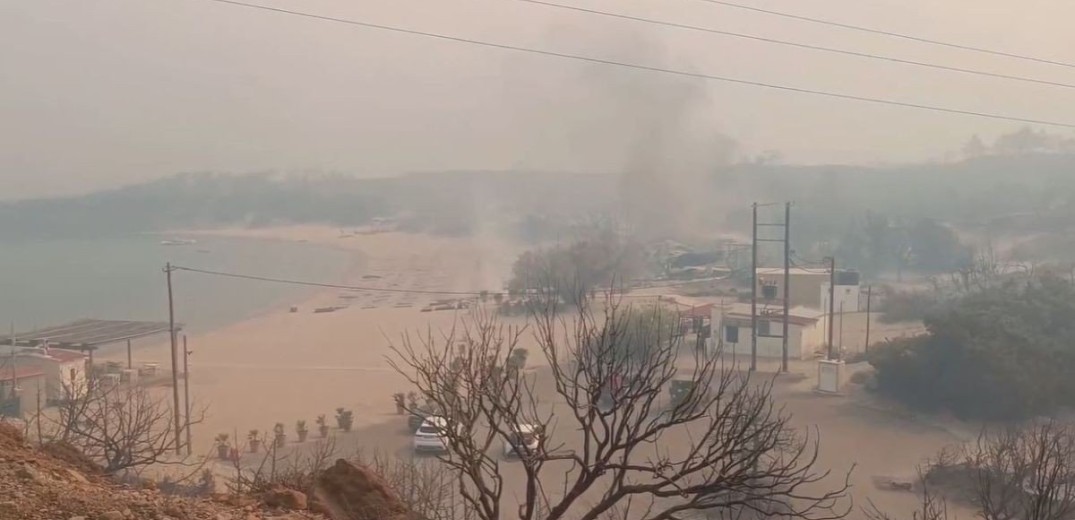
{"type": "Point", "coordinates": [832, 300]}
{"type": "Point", "coordinates": [175, 372]}
{"type": "Point", "coordinates": [754, 292]}
{"type": "Point", "coordinates": [787, 284]}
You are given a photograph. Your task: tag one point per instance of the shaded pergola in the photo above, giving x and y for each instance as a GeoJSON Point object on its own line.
{"type": "Point", "coordinates": [88, 335]}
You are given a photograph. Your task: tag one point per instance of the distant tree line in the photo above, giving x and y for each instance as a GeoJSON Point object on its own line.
{"type": "Point", "coordinates": [596, 260]}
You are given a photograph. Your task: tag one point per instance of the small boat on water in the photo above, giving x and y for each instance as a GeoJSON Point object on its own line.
{"type": "Point", "coordinates": [178, 242]}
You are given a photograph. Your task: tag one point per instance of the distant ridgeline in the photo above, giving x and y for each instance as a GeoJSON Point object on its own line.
{"type": "Point", "coordinates": [1010, 193]}
{"type": "Point", "coordinates": [447, 202]}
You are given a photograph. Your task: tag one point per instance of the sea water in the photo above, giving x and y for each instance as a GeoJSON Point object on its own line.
{"type": "Point", "coordinates": [48, 283]}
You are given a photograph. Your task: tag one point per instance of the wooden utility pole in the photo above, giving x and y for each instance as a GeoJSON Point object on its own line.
{"type": "Point", "coordinates": [832, 300]}
{"type": "Point", "coordinates": [186, 391]}
{"type": "Point", "coordinates": [175, 372]}
{"type": "Point", "coordinates": [130, 361]}
{"type": "Point", "coordinates": [787, 284]}
{"type": "Point", "coordinates": [14, 372]}
{"type": "Point", "coordinates": [754, 292]}
{"type": "Point", "coordinates": [869, 293]}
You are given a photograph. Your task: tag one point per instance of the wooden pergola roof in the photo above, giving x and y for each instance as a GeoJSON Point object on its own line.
{"type": "Point", "coordinates": [89, 334]}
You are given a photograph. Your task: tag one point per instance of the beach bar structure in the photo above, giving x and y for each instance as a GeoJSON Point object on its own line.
{"type": "Point", "coordinates": [86, 336]}
{"type": "Point", "coordinates": [63, 354]}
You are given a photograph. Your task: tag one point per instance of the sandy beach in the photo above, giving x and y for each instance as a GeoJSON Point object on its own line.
{"type": "Point", "coordinates": [283, 366]}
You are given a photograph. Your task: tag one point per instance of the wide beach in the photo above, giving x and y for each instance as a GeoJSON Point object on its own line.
{"type": "Point", "coordinates": [283, 366]}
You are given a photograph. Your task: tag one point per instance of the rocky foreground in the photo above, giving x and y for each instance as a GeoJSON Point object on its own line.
{"type": "Point", "coordinates": [60, 484]}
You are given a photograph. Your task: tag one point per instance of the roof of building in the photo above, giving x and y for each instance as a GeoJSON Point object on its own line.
{"type": "Point", "coordinates": [794, 271]}
{"type": "Point", "coordinates": [20, 373]}
{"type": "Point", "coordinates": [796, 315]}
{"type": "Point", "coordinates": [64, 355]}
{"type": "Point", "coordinates": [702, 311]}
{"type": "Point", "coordinates": [88, 334]}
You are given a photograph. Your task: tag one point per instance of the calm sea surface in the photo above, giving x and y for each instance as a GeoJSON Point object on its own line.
{"type": "Point", "coordinates": [52, 282]}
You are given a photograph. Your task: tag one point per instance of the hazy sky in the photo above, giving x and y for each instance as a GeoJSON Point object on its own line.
{"type": "Point", "coordinates": [96, 93]}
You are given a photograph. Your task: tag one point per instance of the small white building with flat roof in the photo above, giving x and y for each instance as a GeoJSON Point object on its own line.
{"type": "Point", "coordinates": [806, 330]}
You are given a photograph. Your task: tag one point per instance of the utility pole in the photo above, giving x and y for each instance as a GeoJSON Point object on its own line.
{"type": "Point", "coordinates": [869, 293]}
{"type": "Point", "coordinates": [841, 351]}
{"type": "Point", "coordinates": [14, 373]}
{"type": "Point", "coordinates": [754, 292]}
{"type": "Point", "coordinates": [175, 373]}
{"type": "Point", "coordinates": [130, 362]}
{"type": "Point", "coordinates": [787, 284]}
{"type": "Point", "coordinates": [186, 390]}
{"type": "Point", "coordinates": [785, 239]}
{"type": "Point", "coordinates": [832, 299]}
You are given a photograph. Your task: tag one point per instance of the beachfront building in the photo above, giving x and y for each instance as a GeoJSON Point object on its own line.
{"type": "Point", "coordinates": [64, 353]}
{"type": "Point", "coordinates": [64, 371]}
{"type": "Point", "coordinates": [806, 330]}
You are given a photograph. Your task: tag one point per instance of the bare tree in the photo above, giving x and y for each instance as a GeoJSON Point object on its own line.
{"type": "Point", "coordinates": [1024, 473]}
{"type": "Point", "coordinates": [121, 426]}
{"type": "Point", "coordinates": [626, 448]}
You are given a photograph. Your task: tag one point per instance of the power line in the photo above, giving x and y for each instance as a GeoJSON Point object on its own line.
{"type": "Point", "coordinates": [323, 285]}
{"type": "Point", "coordinates": [772, 86]}
{"type": "Point", "coordinates": [891, 33]}
{"type": "Point", "coordinates": [803, 45]}
{"type": "Point", "coordinates": [287, 281]}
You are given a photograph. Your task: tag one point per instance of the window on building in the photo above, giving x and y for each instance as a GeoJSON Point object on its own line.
{"type": "Point", "coordinates": [763, 328]}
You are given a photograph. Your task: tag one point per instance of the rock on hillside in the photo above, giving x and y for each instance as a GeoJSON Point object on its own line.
{"type": "Point", "coordinates": [348, 491]}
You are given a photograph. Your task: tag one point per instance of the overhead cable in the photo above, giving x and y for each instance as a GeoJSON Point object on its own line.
{"type": "Point", "coordinates": [649, 68]}
{"type": "Point", "coordinates": [893, 34]}
{"type": "Point", "coordinates": [806, 45]}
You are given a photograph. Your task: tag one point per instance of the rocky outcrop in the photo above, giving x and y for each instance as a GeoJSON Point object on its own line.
{"type": "Point", "coordinates": [59, 483]}
{"type": "Point", "coordinates": [349, 491]}
{"type": "Point", "coordinates": [284, 498]}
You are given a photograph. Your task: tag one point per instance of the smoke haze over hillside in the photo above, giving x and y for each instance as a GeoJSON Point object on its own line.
{"type": "Point", "coordinates": [97, 94]}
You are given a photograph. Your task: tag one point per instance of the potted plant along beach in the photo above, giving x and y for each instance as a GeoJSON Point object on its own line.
{"type": "Point", "coordinates": [301, 430]}
{"type": "Point", "coordinates": [223, 447]}
{"type": "Point", "coordinates": [254, 440]}
{"type": "Point", "coordinates": [345, 419]}
{"type": "Point", "coordinates": [517, 359]}
{"type": "Point", "coordinates": [322, 426]}
{"type": "Point", "coordinates": [279, 437]}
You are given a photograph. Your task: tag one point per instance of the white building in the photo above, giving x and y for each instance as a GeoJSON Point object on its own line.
{"type": "Point", "coordinates": [806, 330]}
{"type": "Point", "coordinates": [845, 300]}
{"type": "Point", "coordinates": [809, 288]}
{"type": "Point", "coordinates": [64, 370]}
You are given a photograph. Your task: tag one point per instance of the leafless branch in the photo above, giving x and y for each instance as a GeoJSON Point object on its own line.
{"type": "Point", "coordinates": [620, 442]}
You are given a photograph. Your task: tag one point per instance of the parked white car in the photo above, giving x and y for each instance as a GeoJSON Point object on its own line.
{"type": "Point", "coordinates": [430, 436]}
{"type": "Point", "coordinates": [526, 438]}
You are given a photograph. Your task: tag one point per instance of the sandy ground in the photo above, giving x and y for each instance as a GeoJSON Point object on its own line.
{"type": "Point", "coordinates": [282, 366]}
